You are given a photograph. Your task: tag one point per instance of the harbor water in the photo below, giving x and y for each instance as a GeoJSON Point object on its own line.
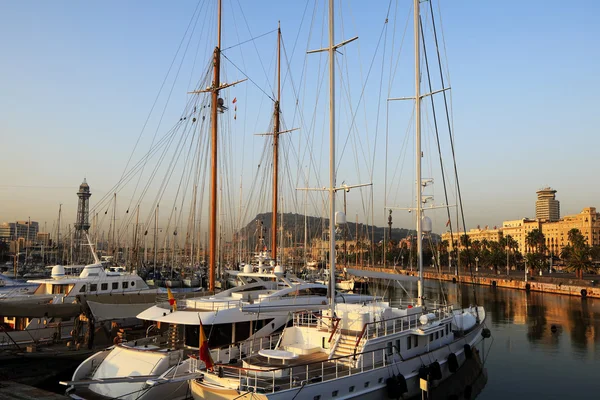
{"type": "Point", "coordinates": [543, 346]}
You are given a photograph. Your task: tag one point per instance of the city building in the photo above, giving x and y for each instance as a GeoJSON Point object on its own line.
{"type": "Point", "coordinates": [43, 238]}
{"type": "Point", "coordinates": [491, 235]}
{"type": "Point", "coordinates": [27, 230]}
{"type": "Point", "coordinates": [5, 235]}
{"type": "Point", "coordinates": [547, 208]}
{"type": "Point", "coordinates": [556, 233]}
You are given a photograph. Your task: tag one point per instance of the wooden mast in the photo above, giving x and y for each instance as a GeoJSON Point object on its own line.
{"type": "Point", "coordinates": [276, 150]}
{"type": "Point", "coordinates": [212, 241]}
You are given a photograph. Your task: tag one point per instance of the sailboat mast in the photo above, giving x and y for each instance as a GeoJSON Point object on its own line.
{"type": "Point", "coordinates": [212, 251]}
{"type": "Point", "coordinates": [418, 152]}
{"type": "Point", "coordinates": [276, 150]}
{"type": "Point", "coordinates": [332, 160]}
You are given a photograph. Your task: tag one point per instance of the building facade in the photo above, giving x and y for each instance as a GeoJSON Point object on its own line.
{"type": "Point", "coordinates": [556, 233]}
{"type": "Point", "coordinates": [547, 208]}
{"type": "Point", "coordinates": [491, 235]}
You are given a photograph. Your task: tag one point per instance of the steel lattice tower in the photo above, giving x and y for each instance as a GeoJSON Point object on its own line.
{"type": "Point", "coordinates": [82, 224]}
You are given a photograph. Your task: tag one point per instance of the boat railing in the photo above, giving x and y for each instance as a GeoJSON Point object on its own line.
{"type": "Point", "coordinates": [394, 325]}
{"type": "Point", "coordinates": [235, 351]}
{"type": "Point", "coordinates": [259, 380]}
{"type": "Point", "coordinates": [311, 319]}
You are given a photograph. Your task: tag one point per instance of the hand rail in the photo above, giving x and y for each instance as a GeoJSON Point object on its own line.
{"type": "Point", "coordinates": [337, 323]}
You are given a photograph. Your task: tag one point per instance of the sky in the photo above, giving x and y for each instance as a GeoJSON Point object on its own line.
{"type": "Point", "coordinates": [79, 80]}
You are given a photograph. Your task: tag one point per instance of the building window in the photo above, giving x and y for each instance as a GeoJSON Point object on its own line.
{"type": "Point", "coordinates": [125, 285]}
{"type": "Point", "coordinates": [115, 285]}
{"type": "Point", "coordinates": [104, 286]}
{"type": "Point", "coordinates": [93, 287]}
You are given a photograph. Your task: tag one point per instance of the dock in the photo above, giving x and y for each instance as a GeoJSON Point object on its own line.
{"type": "Point", "coordinates": [13, 390]}
{"type": "Point", "coordinates": [554, 284]}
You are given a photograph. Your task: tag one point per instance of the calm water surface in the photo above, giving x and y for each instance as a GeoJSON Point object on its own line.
{"type": "Point", "coordinates": [526, 359]}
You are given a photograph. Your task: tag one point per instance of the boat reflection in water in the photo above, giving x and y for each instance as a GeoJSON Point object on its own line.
{"type": "Point", "coordinates": [544, 345]}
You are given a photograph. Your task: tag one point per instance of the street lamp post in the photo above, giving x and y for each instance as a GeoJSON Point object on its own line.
{"type": "Point", "coordinates": [476, 264]}
{"type": "Point", "coordinates": [507, 263]}
{"type": "Point", "coordinates": [525, 270]}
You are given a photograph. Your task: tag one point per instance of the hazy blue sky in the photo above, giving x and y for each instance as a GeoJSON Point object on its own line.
{"type": "Point", "coordinates": [78, 79]}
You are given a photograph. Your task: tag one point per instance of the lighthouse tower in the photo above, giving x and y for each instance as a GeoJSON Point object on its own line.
{"type": "Point", "coordinates": [82, 224]}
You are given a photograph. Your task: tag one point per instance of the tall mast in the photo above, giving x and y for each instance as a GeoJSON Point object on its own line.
{"type": "Point", "coordinates": [212, 251]}
{"type": "Point", "coordinates": [276, 150]}
{"type": "Point", "coordinates": [58, 235]}
{"type": "Point", "coordinates": [418, 151]}
{"type": "Point", "coordinates": [332, 160]}
{"type": "Point", "coordinates": [155, 237]}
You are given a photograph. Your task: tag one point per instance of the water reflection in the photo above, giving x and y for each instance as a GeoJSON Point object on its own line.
{"type": "Point", "coordinates": [545, 346]}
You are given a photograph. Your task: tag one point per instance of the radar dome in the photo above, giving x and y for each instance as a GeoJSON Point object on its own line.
{"type": "Point", "coordinates": [58, 272]}
{"type": "Point", "coordinates": [247, 269]}
{"type": "Point", "coordinates": [278, 270]}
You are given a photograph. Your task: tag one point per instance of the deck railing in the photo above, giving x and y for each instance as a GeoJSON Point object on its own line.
{"type": "Point", "coordinates": [294, 376]}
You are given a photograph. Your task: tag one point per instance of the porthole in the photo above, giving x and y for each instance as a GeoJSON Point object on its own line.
{"type": "Point", "coordinates": [351, 389]}
{"type": "Point", "coordinates": [367, 384]}
{"type": "Point", "coordinates": [334, 393]}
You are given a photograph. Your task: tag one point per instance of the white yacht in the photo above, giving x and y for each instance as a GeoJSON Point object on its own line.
{"type": "Point", "coordinates": [256, 310]}
{"type": "Point", "coordinates": [45, 307]}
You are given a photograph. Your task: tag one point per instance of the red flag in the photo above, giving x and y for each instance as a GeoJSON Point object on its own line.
{"type": "Point", "coordinates": [234, 100]}
{"type": "Point", "coordinates": [448, 223]}
{"type": "Point", "coordinates": [172, 301]}
{"type": "Point", "coordinates": [204, 350]}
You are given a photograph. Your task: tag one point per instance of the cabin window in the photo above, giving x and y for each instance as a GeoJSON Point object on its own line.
{"type": "Point", "coordinates": [442, 333]}
{"type": "Point", "coordinates": [398, 345]}
{"type": "Point", "coordinates": [115, 285]}
{"type": "Point", "coordinates": [125, 285]}
{"type": "Point", "coordinates": [317, 397]}
{"type": "Point", "coordinates": [447, 328]}
{"type": "Point", "coordinates": [334, 393]}
{"type": "Point", "coordinates": [93, 287]}
{"type": "Point", "coordinates": [416, 341]}
{"type": "Point", "coordinates": [104, 286]}
{"type": "Point", "coordinates": [261, 323]}
{"type": "Point", "coordinates": [132, 283]}
{"type": "Point", "coordinates": [390, 348]}
{"type": "Point", "coordinates": [431, 337]}
{"type": "Point", "coordinates": [351, 389]}
{"type": "Point", "coordinates": [82, 289]}
{"type": "Point", "coordinates": [409, 343]}
{"type": "Point", "coordinates": [218, 335]}
{"type": "Point", "coordinates": [380, 380]}
{"type": "Point", "coordinates": [437, 335]}
{"type": "Point", "coordinates": [242, 330]}
{"type": "Point", "coordinates": [367, 384]}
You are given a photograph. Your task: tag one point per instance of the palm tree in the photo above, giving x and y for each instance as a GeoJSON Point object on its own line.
{"type": "Point", "coordinates": [536, 242]}
{"type": "Point", "coordinates": [577, 254]}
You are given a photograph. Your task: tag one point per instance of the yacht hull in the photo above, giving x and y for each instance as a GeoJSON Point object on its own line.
{"type": "Point", "coordinates": [354, 383]}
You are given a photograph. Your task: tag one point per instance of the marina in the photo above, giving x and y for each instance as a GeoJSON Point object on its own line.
{"type": "Point", "coordinates": [297, 201]}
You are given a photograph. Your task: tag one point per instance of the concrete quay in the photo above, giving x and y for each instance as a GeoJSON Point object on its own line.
{"type": "Point", "coordinates": [554, 284]}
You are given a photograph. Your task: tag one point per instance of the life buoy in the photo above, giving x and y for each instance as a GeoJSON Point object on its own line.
{"type": "Point", "coordinates": [452, 362]}
{"type": "Point", "coordinates": [468, 351]}
{"type": "Point", "coordinates": [486, 333]}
